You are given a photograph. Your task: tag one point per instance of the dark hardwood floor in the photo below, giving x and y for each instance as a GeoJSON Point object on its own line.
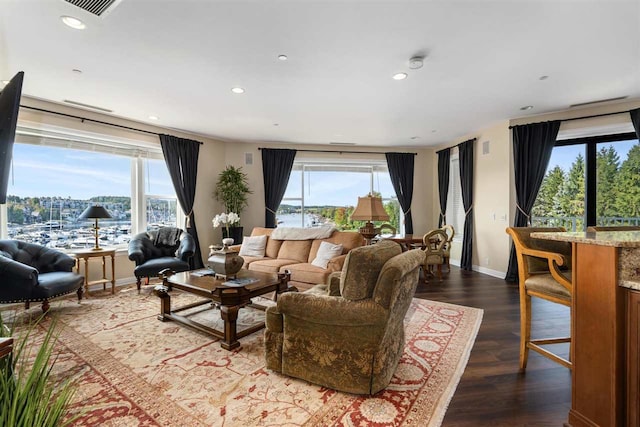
{"type": "Point", "coordinates": [492, 391]}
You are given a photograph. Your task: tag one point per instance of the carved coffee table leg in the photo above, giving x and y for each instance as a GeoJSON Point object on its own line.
{"type": "Point", "coordinates": [229, 315]}
{"type": "Point", "coordinates": [165, 301]}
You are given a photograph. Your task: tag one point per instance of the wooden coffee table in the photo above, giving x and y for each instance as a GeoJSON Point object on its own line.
{"type": "Point", "coordinates": [229, 298]}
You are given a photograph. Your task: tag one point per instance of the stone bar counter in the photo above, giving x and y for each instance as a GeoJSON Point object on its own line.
{"type": "Point", "coordinates": [605, 328]}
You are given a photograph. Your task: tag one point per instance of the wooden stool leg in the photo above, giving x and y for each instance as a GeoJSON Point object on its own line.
{"type": "Point", "coordinates": [525, 329]}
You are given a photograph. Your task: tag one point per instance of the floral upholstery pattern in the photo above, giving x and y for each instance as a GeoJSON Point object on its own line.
{"type": "Point", "coordinates": [351, 345]}
{"type": "Point", "coordinates": [362, 266]}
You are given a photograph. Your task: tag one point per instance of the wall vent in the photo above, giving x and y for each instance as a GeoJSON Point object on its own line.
{"type": "Point", "coordinates": [93, 107]}
{"type": "Point", "coordinates": [485, 147]}
{"type": "Point", "coordinates": [96, 7]}
{"type": "Point", "coordinates": [248, 158]}
{"type": "Point", "coordinates": [342, 143]}
{"type": "Point", "coordinates": [600, 101]}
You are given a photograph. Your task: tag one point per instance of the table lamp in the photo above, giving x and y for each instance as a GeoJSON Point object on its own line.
{"type": "Point", "coordinates": [369, 209]}
{"type": "Point", "coordinates": [95, 212]}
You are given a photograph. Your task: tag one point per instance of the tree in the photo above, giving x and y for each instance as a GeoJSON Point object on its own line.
{"type": "Point", "coordinates": [608, 165]}
{"type": "Point", "coordinates": [546, 204]}
{"type": "Point", "coordinates": [571, 198]}
{"type": "Point", "coordinates": [628, 197]}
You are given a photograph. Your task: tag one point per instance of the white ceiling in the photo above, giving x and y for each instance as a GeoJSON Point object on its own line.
{"type": "Point", "coordinates": [178, 60]}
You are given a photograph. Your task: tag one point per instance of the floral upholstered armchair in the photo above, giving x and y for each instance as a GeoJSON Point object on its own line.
{"type": "Point", "coordinates": [348, 339]}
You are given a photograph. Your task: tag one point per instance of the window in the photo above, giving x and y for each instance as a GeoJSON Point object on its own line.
{"type": "Point", "coordinates": [160, 200]}
{"type": "Point", "coordinates": [455, 208]}
{"type": "Point", "coordinates": [327, 192]}
{"type": "Point", "coordinates": [591, 181]}
{"type": "Point", "coordinates": [55, 177]}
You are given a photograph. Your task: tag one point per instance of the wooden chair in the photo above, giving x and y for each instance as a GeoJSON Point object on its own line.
{"type": "Point", "coordinates": [383, 227]}
{"type": "Point", "coordinates": [433, 244]}
{"type": "Point", "coordinates": [450, 231]}
{"type": "Point", "coordinates": [613, 228]}
{"type": "Point", "coordinates": [540, 275]}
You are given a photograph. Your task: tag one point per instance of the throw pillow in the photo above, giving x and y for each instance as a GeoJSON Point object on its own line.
{"type": "Point", "coordinates": [253, 246]}
{"type": "Point", "coordinates": [326, 252]}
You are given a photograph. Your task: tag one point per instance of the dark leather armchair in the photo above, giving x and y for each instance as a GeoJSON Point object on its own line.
{"type": "Point", "coordinates": [31, 272]}
{"type": "Point", "coordinates": [153, 251]}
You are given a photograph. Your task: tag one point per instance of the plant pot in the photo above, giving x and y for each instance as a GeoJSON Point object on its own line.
{"type": "Point", "coordinates": [234, 232]}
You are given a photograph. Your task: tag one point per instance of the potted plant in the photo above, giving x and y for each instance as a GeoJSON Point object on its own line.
{"type": "Point", "coordinates": [30, 395]}
{"type": "Point", "coordinates": [232, 189]}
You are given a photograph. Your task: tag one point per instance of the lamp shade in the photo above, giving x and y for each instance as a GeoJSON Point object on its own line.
{"type": "Point", "coordinates": [93, 212]}
{"type": "Point", "coordinates": [370, 209]}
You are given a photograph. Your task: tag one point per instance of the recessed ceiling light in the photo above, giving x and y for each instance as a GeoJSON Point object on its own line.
{"type": "Point", "coordinates": [75, 70]}
{"type": "Point", "coordinates": [237, 90]}
{"type": "Point", "coordinates": [72, 22]}
{"type": "Point", "coordinates": [543, 77]}
{"type": "Point", "coordinates": [526, 107]}
{"type": "Point", "coordinates": [153, 117]}
{"type": "Point", "coordinates": [276, 124]}
{"type": "Point", "coordinates": [283, 57]}
{"type": "Point", "coordinates": [400, 76]}
{"type": "Point", "coordinates": [415, 137]}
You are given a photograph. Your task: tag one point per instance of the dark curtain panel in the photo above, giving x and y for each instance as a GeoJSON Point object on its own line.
{"type": "Point", "coordinates": [635, 119]}
{"type": "Point", "coordinates": [532, 147]}
{"type": "Point", "coordinates": [466, 183]}
{"type": "Point", "coordinates": [276, 169]}
{"type": "Point", "coordinates": [181, 157]}
{"type": "Point", "coordinates": [443, 183]}
{"type": "Point", "coordinates": [401, 173]}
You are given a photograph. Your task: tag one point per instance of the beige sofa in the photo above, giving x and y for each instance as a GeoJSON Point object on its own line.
{"type": "Point", "coordinates": [296, 256]}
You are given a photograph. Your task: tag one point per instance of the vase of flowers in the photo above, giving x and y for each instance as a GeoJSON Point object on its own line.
{"type": "Point", "coordinates": [231, 232]}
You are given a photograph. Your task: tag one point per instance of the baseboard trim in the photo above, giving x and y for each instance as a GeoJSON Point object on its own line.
{"type": "Point", "coordinates": [489, 272]}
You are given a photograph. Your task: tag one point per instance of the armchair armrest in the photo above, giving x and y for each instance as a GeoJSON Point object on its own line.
{"type": "Point", "coordinates": [336, 263]}
{"type": "Point", "coordinates": [187, 247]}
{"type": "Point", "coordinates": [555, 261]}
{"type": "Point", "coordinates": [136, 251]}
{"type": "Point", "coordinates": [16, 278]}
{"type": "Point", "coordinates": [328, 310]}
{"type": "Point", "coordinates": [333, 283]}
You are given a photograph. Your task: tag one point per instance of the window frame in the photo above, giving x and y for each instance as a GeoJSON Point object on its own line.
{"type": "Point", "coordinates": [137, 151]}
{"type": "Point", "coordinates": [590, 181]}
{"type": "Point", "coordinates": [344, 165]}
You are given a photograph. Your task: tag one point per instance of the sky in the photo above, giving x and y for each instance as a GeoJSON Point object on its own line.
{"type": "Point", "coordinates": [336, 188]}
{"type": "Point", "coordinates": [564, 156]}
{"type": "Point", "coordinates": [52, 171]}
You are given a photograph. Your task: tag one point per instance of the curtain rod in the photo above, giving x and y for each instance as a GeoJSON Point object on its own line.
{"type": "Point", "coordinates": [85, 119]}
{"type": "Point", "coordinates": [339, 152]}
{"type": "Point", "coordinates": [576, 118]}
{"type": "Point", "coordinates": [448, 148]}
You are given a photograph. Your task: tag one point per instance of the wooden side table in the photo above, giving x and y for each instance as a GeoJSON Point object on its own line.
{"type": "Point", "coordinates": [102, 253]}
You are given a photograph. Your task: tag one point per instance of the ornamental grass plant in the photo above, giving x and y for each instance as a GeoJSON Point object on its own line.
{"type": "Point", "coordinates": [30, 395]}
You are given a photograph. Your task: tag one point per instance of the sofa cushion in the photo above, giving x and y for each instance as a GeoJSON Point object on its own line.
{"type": "Point", "coordinates": [362, 267]}
{"type": "Point", "coordinates": [307, 273]}
{"type": "Point", "coordinates": [273, 246]}
{"type": "Point", "coordinates": [249, 259]}
{"type": "Point", "coordinates": [326, 253]}
{"type": "Point", "coordinates": [271, 265]}
{"type": "Point", "coordinates": [295, 249]}
{"type": "Point", "coordinates": [348, 240]}
{"type": "Point", "coordinates": [253, 246]}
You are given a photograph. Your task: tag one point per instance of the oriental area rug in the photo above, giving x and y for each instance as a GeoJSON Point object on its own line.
{"type": "Point", "coordinates": [130, 369]}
